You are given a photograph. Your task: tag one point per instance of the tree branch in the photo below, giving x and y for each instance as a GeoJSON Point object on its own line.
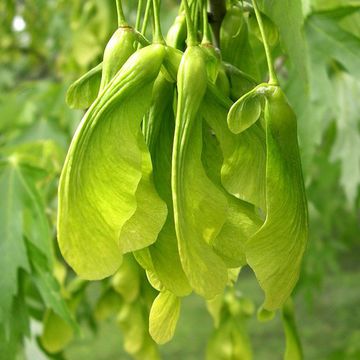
{"type": "Point", "coordinates": [216, 16]}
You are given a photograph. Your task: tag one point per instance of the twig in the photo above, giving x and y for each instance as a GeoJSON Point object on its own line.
{"type": "Point", "coordinates": [216, 16]}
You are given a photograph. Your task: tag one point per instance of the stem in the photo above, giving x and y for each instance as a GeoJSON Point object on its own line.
{"type": "Point", "coordinates": [191, 33]}
{"type": "Point", "coordinates": [272, 74]}
{"type": "Point", "coordinates": [120, 14]}
{"type": "Point", "coordinates": [206, 29]}
{"type": "Point", "coordinates": [195, 14]}
{"type": "Point", "coordinates": [217, 13]}
{"type": "Point", "coordinates": [142, 33]}
{"type": "Point", "coordinates": [138, 15]}
{"type": "Point", "coordinates": [158, 37]}
{"type": "Point", "coordinates": [146, 17]}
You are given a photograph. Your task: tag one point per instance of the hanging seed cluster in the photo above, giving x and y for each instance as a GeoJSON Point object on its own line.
{"type": "Point", "coordinates": [185, 165]}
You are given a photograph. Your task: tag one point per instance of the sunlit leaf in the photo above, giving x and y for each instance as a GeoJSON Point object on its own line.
{"type": "Point", "coordinates": [347, 137]}
{"type": "Point", "coordinates": [47, 285]}
{"type": "Point", "coordinates": [13, 255]}
{"type": "Point", "coordinates": [15, 329]}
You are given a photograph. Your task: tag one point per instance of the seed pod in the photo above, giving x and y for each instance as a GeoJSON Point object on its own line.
{"type": "Point", "coordinates": [103, 168]}
{"type": "Point", "coordinates": [234, 42]}
{"type": "Point", "coordinates": [160, 110]}
{"type": "Point", "coordinates": [120, 47]}
{"type": "Point", "coordinates": [213, 60]}
{"type": "Point", "coordinates": [276, 250]}
{"type": "Point", "coordinates": [241, 220]}
{"type": "Point", "coordinates": [199, 207]}
{"type": "Point", "coordinates": [222, 82]}
{"type": "Point", "coordinates": [133, 323]}
{"type": "Point", "coordinates": [159, 133]}
{"type": "Point", "coordinates": [132, 318]}
{"type": "Point", "coordinates": [240, 82]}
{"type": "Point", "coordinates": [143, 227]}
{"type": "Point", "coordinates": [243, 168]}
{"type": "Point", "coordinates": [107, 305]}
{"type": "Point", "coordinates": [176, 35]}
{"type": "Point", "coordinates": [171, 63]}
{"type": "Point", "coordinates": [271, 31]}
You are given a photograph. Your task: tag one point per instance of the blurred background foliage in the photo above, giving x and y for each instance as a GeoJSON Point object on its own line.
{"type": "Point", "coordinates": [47, 44]}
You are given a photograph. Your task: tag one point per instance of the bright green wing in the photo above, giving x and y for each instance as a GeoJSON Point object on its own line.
{"type": "Point", "coordinates": [241, 220]}
{"type": "Point", "coordinates": [199, 206]}
{"type": "Point", "coordinates": [82, 93]}
{"type": "Point", "coordinates": [275, 251]}
{"type": "Point", "coordinates": [243, 169]}
{"type": "Point", "coordinates": [143, 227]}
{"type": "Point", "coordinates": [103, 168]}
{"type": "Point", "coordinates": [164, 315]}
